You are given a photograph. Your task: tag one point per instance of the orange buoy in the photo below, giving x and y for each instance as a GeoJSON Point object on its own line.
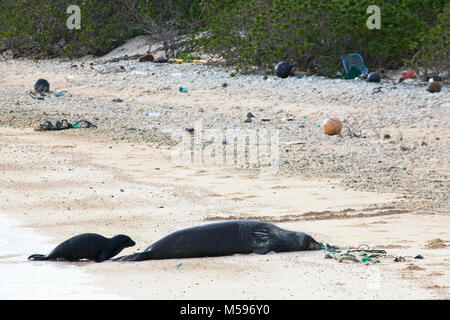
{"type": "Point", "coordinates": [332, 126]}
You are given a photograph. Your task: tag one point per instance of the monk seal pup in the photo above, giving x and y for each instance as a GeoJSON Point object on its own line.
{"type": "Point", "coordinates": [223, 239]}
{"type": "Point", "coordinates": [89, 246]}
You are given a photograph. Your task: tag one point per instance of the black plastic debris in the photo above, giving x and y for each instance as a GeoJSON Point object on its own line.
{"type": "Point", "coordinates": [42, 86]}
{"type": "Point", "coordinates": [283, 69]}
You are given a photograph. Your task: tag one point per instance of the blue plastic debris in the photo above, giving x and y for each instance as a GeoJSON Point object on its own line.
{"type": "Point", "coordinates": [60, 94]}
{"type": "Point", "coordinates": [354, 60]}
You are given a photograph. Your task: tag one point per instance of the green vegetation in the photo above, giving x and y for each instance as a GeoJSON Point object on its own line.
{"type": "Point", "coordinates": [38, 27]}
{"type": "Point", "coordinates": [310, 34]}
{"type": "Point", "coordinates": [187, 56]}
{"type": "Point", "coordinates": [314, 34]}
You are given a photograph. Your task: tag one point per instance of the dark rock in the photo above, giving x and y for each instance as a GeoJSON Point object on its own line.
{"type": "Point", "coordinates": [434, 87]}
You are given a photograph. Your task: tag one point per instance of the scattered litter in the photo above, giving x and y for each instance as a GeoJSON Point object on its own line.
{"type": "Point", "coordinates": [354, 60]}
{"type": "Point", "coordinates": [407, 75]}
{"type": "Point", "coordinates": [189, 129]}
{"type": "Point", "coordinates": [117, 100]}
{"type": "Point", "coordinates": [224, 142]}
{"type": "Point", "coordinates": [265, 119]}
{"type": "Point", "coordinates": [41, 86]}
{"type": "Point", "coordinates": [293, 143]}
{"type": "Point", "coordinates": [250, 115]}
{"type": "Point", "coordinates": [265, 77]}
{"type": "Point", "coordinates": [37, 95]}
{"type": "Point", "coordinates": [434, 78]}
{"type": "Point", "coordinates": [376, 90]}
{"type": "Point", "coordinates": [317, 125]}
{"type": "Point", "coordinates": [364, 255]}
{"type": "Point", "coordinates": [178, 265]}
{"type": "Point", "coordinates": [153, 114]}
{"type": "Point", "coordinates": [332, 126]}
{"type": "Point", "coordinates": [353, 73]}
{"type": "Point", "coordinates": [183, 89]}
{"type": "Point", "coordinates": [387, 136]}
{"type": "Point", "coordinates": [224, 85]}
{"type": "Point", "coordinates": [283, 69]}
{"type": "Point", "coordinates": [60, 94]}
{"type": "Point", "coordinates": [374, 77]}
{"type": "Point", "coordinates": [83, 124]}
{"type": "Point", "coordinates": [338, 75]}
{"type": "Point", "coordinates": [64, 124]}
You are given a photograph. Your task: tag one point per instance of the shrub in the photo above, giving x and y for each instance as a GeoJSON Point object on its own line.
{"type": "Point", "coordinates": [315, 34]}
{"type": "Point", "coordinates": [38, 27]}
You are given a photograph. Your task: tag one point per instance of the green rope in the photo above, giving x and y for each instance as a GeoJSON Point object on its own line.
{"type": "Point", "coordinates": [365, 256]}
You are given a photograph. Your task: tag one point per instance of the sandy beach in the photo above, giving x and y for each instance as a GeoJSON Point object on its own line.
{"type": "Point", "coordinates": [389, 193]}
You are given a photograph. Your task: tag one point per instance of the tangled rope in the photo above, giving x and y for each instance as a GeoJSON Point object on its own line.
{"type": "Point", "coordinates": [363, 254]}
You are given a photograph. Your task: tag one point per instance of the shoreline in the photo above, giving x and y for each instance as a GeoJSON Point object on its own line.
{"type": "Point", "coordinates": [24, 280]}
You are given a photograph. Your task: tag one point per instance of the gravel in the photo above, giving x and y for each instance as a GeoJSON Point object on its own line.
{"type": "Point", "coordinates": [395, 136]}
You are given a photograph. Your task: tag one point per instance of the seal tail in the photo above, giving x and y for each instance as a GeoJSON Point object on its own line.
{"type": "Point", "coordinates": [37, 257]}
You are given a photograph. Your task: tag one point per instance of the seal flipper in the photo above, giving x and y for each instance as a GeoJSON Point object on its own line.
{"type": "Point", "coordinates": [102, 257]}
{"type": "Point", "coordinates": [262, 251]}
{"type": "Point", "coordinates": [140, 256]}
{"type": "Point", "coordinates": [38, 257]}
{"type": "Point", "coordinates": [261, 241]}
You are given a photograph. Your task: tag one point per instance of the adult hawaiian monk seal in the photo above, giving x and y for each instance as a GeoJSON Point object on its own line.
{"type": "Point", "coordinates": [225, 238]}
{"type": "Point", "coordinates": [89, 246]}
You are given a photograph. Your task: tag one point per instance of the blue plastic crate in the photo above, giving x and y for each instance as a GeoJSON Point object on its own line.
{"type": "Point", "coordinates": [354, 60]}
